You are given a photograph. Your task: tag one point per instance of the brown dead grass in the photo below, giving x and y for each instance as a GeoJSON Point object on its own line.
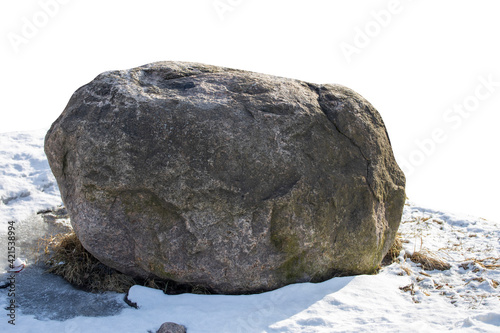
{"type": "Point", "coordinates": [406, 270]}
{"type": "Point", "coordinates": [491, 262]}
{"type": "Point", "coordinates": [477, 264]}
{"type": "Point", "coordinates": [68, 258]}
{"type": "Point", "coordinates": [394, 250]}
{"type": "Point", "coordinates": [428, 261]}
{"type": "Point", "coordinates": [65, 255]}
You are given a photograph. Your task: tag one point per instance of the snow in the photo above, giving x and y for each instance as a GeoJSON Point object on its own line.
{"type": "Point", "coordinates": [401, 297]}
{"type": "Point", "coordinates": [26, 182]}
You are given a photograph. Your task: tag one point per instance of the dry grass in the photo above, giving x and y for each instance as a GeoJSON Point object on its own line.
{"type": "Point", "coordinates": [65, 255]}
{"type": "Point", "coordinates": [428, 261]}
{"type": "Point", "coordinates": [477, 264]}
{"type": "Point", "coordinates": [424, 274]}
{"type": "Point", "coordinates": [492, 262]}
{"type": "Point", "coordinates": [69, 259]}
{"type": "Point", "coordinates": [406, 270]}
{"type": "Point", "coordinates": [409, 288]}
{"type": "Point", "coordinates": [394, 250]}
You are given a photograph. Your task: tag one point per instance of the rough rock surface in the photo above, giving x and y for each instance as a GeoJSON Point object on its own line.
{"type": "Point", "coordinates": [231, 180]}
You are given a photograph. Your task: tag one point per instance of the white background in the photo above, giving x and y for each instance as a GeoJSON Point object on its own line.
{"type": "Point", "coordinates": [415, 61]}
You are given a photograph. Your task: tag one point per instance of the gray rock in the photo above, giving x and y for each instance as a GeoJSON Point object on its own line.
{"type": "Point", "coordinates": [171, 328]}
{"type": "Point", "coordinates": [225, 179]}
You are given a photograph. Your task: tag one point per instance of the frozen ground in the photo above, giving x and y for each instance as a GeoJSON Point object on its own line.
{"type": "Point", "coordinates": [402, 297]}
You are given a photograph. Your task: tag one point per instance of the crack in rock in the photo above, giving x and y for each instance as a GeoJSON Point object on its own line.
{"type": "Point", "coordinates": [323, 109]}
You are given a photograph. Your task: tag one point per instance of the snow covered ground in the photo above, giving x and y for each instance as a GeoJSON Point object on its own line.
{"type": "Point", "coordinates": [26, 182]}
{"type": "Point", "coordinates": [403, 297]}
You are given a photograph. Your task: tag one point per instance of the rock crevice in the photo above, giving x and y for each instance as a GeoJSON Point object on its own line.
{"type": "Point", "coordinates": [332, 121]}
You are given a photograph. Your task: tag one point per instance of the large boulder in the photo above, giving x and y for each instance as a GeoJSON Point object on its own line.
{"type": "Point", "coordinates": [226, 179]}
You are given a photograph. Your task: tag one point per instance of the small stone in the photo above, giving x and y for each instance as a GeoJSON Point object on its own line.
{"type": "Point", "coordinates": [171, 328]}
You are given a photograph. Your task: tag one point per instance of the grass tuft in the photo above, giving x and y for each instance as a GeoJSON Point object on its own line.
{"type": "Point", "coordinates": [394, 251]}
{"type": "Point", "coordinates": [65, 255]}
{"type": "Point", "coordinates": [428, 261]}
{"type": "Point", "coordinates": [68, 258]}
